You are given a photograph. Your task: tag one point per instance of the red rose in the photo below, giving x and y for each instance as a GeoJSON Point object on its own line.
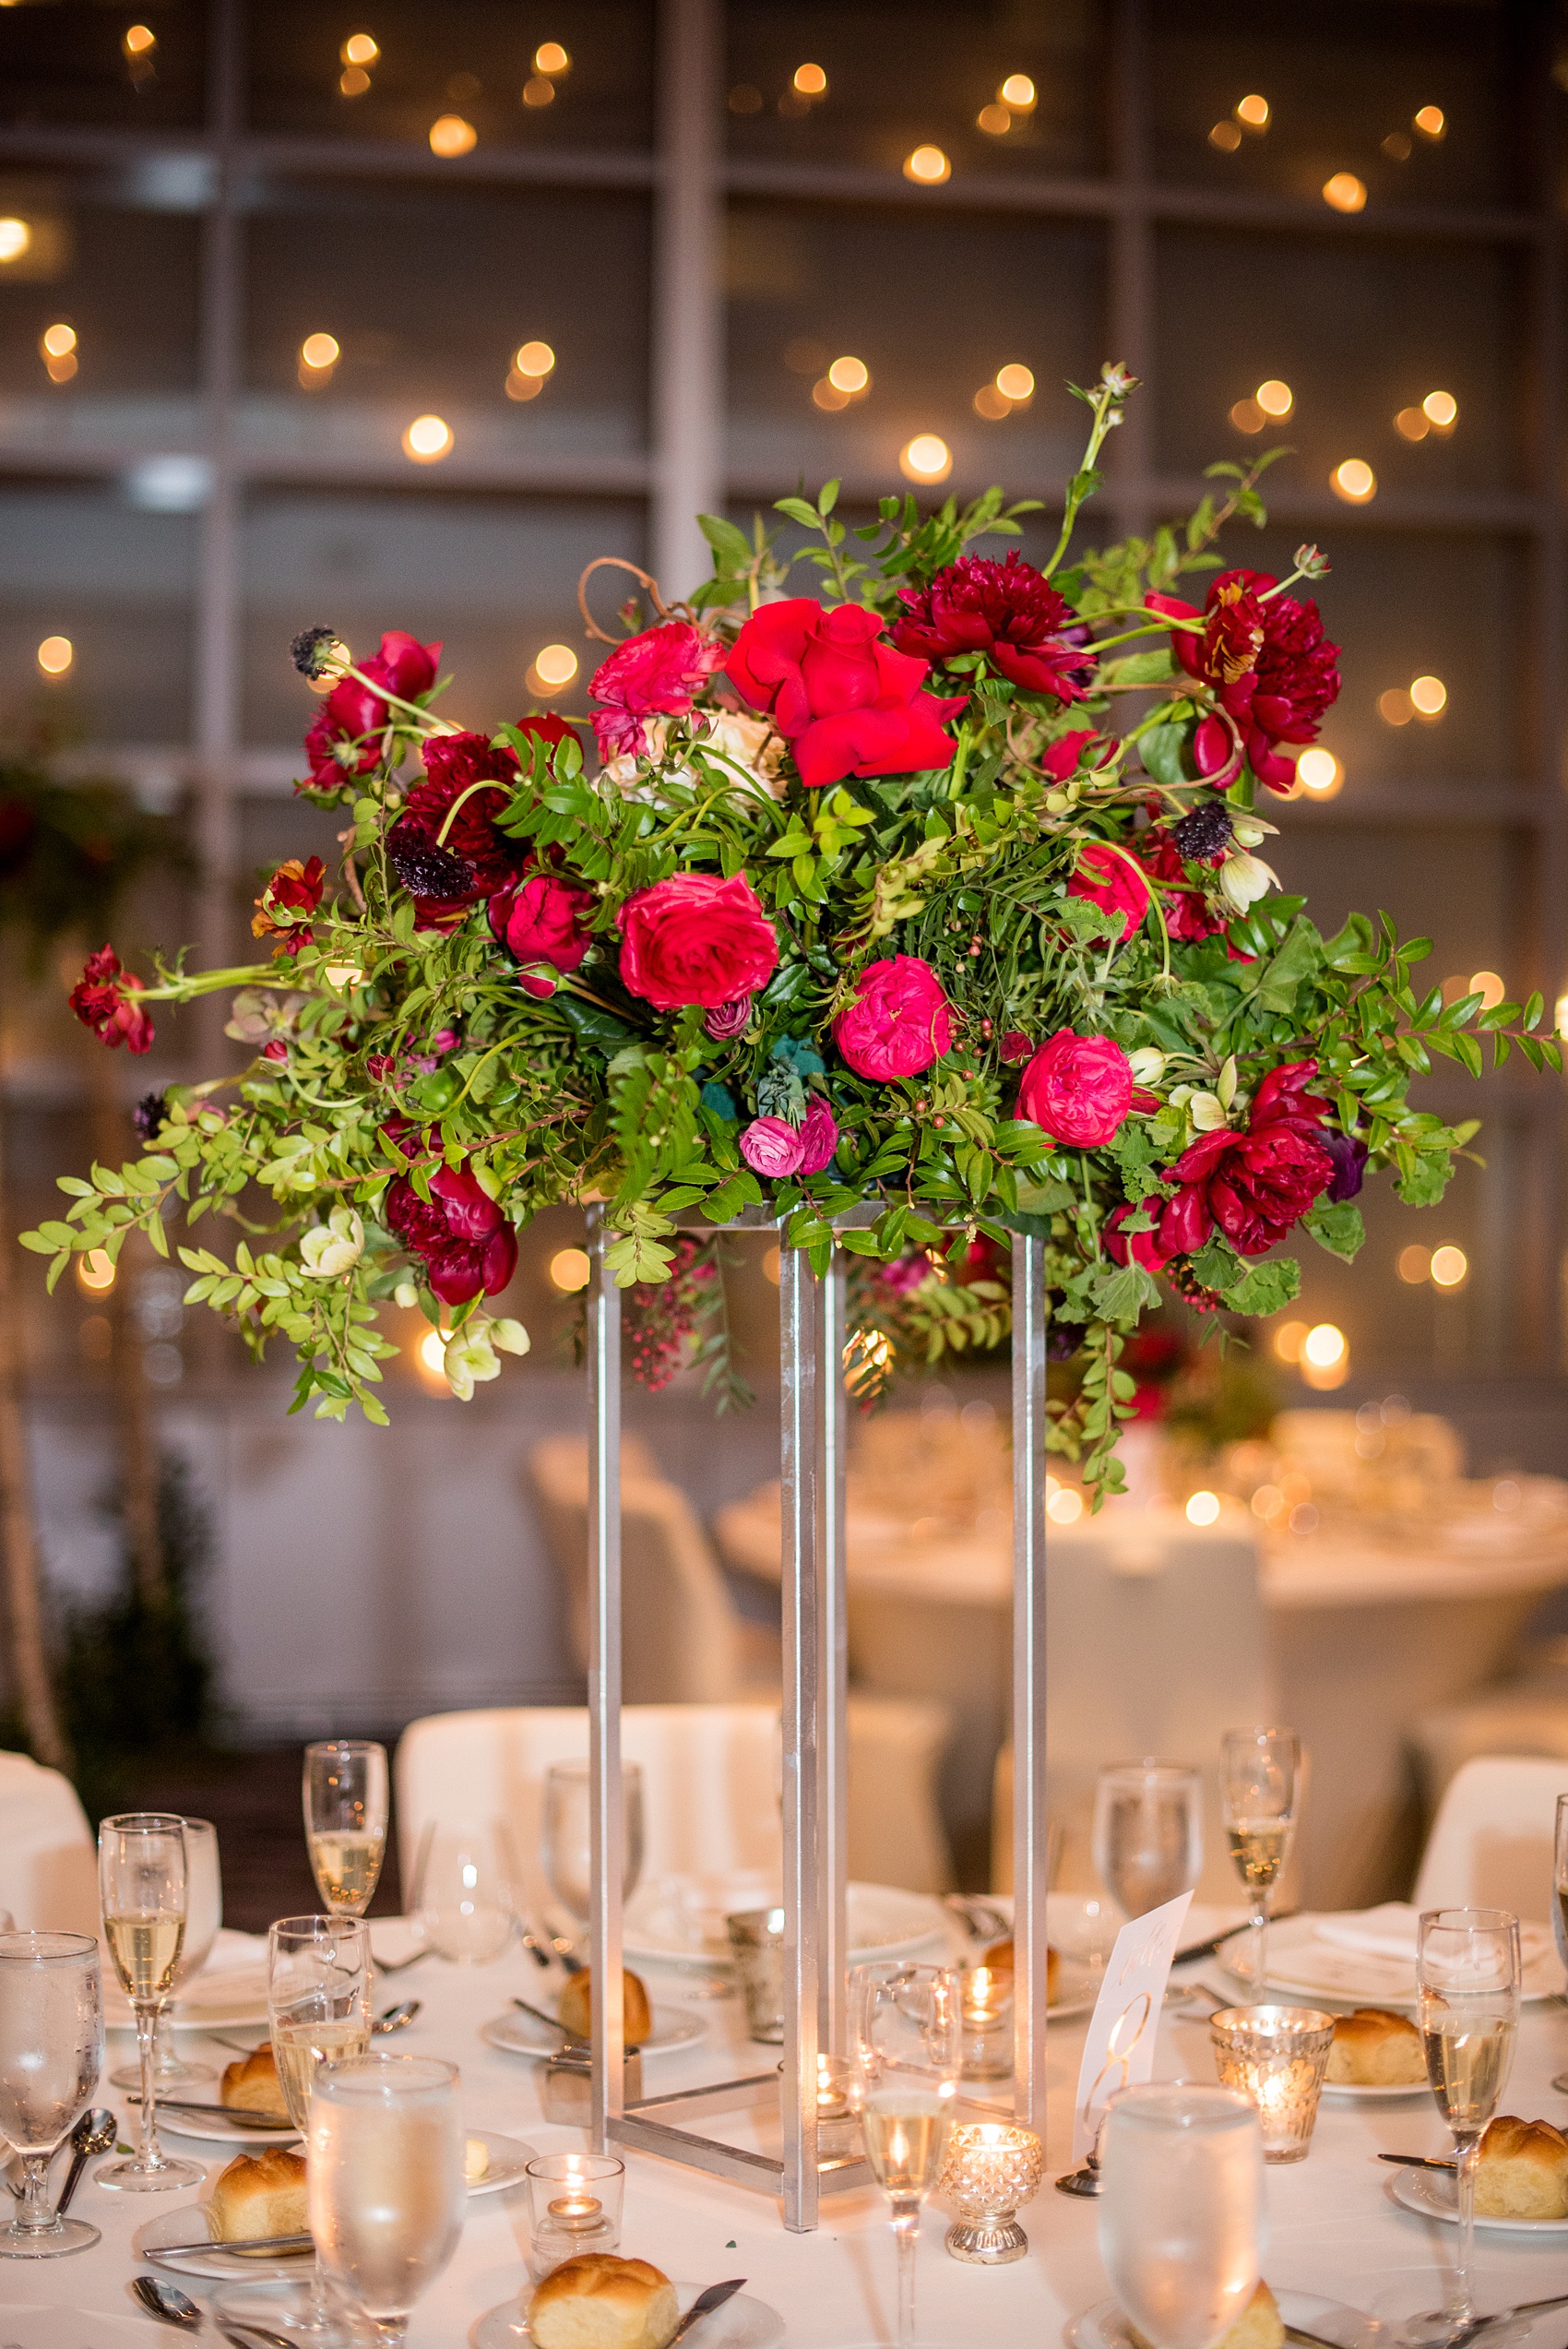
{"type": "Point", "coordinates": [1253, 1186]}
{"type": "Point", "coordinates": [847, 703]}
{"type": "Point", "coordinates": [1139, 1248]}
{"type": "Point", "coordinates": [541, 920]}
{"type": "Point", "coordinates": [695, 939]}
{"type": "Point", "coordinates": [285, 905]}
{"type": "Point", "coordinates": [819, 1139]}
{"type": "Point", "coordinates": [658, 673]}
{"type": "Point", "coordinates": [1008, 611]}
{"type": "Point", "coordinates": [771, 1146]}
{"type": "Point", "coordinates": [1111, 881]}
{"type": "Point", "coordinates": [1076, 1089]}
{"type": "Point", "coordinates": [468, 1247]}
{"type": "Point", "coordinates": [897, 1022]}
{"type": "Point", "coordinates": [101, 1002]}
{"type": "Point", "coordinates": [1190, 916]}
{"type": "Point", "coordinates": [351, 710]}
{"type": "Point", "coordinates": [1270, 664]}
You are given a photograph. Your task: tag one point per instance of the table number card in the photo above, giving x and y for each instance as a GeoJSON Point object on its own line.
{"type": "Point", "coordinates": [1120, 2049]}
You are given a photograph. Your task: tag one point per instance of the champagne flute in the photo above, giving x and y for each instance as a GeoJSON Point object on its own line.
{"type": "Point", "coordinates": [1559, 1903]}
{"type": "Point", "coordinates": [465, 1896]}
{"type": "Point", "coordinates": [204, 1916]}
{"type": "Point", "coordinates": [344, 1807]}
{"type": "Point", "coordinates": [51, 2051]}
{"type": "Point", "coordinates": [1148, 1832]}
{"type": "Point", "coordinates": [907, 2042]}
{"type": "Point", "coordinates": [1467, 1969]}
{"type": "Point", "coordinates": [1181, 2208]}
{"type": "Point", "coordinates": [568, 1849]}
{"type": "Point", "coordinates": [384, 2172]}
{"type": "Point", "coordinates": [1260, 1776]}
{"type": "Point", "coordinates": [141, 1883]}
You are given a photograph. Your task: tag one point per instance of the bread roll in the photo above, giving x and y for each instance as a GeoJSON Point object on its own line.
{"type": "Point", "coordinates": [602, 2302]}
{"type": "Point", "coordinates": [999, 1957]}
{"type": "Point", "coordinates": [1522, 2172]}
{"type": "Point", "coordinates": [1374, 2049]}
{"type": "Point", "coordinates": [254, 2086]}
{"type": "Point", "coordinates": [260, 2194]}
{"type": "Point", "coordinates": [575, 2007]}
{"type": "Point", "coordinates": [1259, 2326]}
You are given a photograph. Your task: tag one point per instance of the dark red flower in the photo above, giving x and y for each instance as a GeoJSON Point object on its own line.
{"type": "Point", "coordinates": [727, 1021]}
{"type": "Point", "coordinates": [846, 702]}
{"type": "Point", "coordinates": [468, 1247]}
{"type": "Point", "coordinates": [1190, 914]}
{"type": "Point", "coordinates": [466, 785]}
{"type": "Point", "coordinates": [1253, 1186]}
{"type": "Point", "coordinates": [695, 938]}
{"type": "Point", "coordinates": [1270, 664]}
{"type": "Point", "coordinates": [1008, 611]}
{"type": "Point", "coordinates": [1142, 1248]}
{"type": "Point", "coordinates": [1061, 757]}
{"type": "Point", "coordinates": [541, 923]}
{"type": "Point", "coordinates": [352, 710]}
{"type": "Point", "coordinates": [103, 1000]}
{"type": "Point", "coordinates": [1350, 1155]}
{"type": "Point", "coordinates": [658, 673]}
{"type": "Point", "coordinates": [1109, 880]}
{"type": "Point", "coordinates": [284, 907]}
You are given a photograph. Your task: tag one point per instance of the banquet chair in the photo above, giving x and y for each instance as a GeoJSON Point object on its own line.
{"type": "Point", "coordinates": [48, 1864]}
{"type": "Point", "coordinates": [1492, 1841]}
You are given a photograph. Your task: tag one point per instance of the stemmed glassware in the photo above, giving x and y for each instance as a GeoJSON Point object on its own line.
{"type": "Point", "coordinates": [1559, 1903]}
{"type": "Point", "coordinates": [1468, 1971]}
{"type": "Point", "coordinates": [384, 2168]}
{"type": "Point", "coordinates": [1181, 2208]}
{"type": "Point", "coordinates": [465, 1891]}
{"type": "Point", "coordinates": [1148, 1832]}
{"type": "Point", "coordinates": [569, 1847]}
{"type": "Point", "coordinates": [141, 1884]}
{"type": "Point", "coordinates": [906, 2044]}
{"type": "Point", "coordinates": [204, 1916]}
{"type": "Point", "coordinates": [346, 1808]}
{"type": "Point", "coordinates": [50, 2052]}
{"type": "Point", "coordinates": [1260, 1777]}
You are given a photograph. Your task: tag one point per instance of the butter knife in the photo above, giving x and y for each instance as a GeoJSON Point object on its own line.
{"type": "Point", "coordinates": [704, 2305]}
{"type": "Point", "coordinates": [1420, 2161]}
{"type": "Point", "coordinates": [247, 2243]}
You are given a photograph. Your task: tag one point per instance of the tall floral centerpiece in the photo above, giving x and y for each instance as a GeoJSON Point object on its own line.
{"type": "Point", "coordinates": [934, 893]}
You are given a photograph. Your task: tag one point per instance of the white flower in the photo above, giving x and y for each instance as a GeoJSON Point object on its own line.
{"type": "Point", "coordinates": [406, 1295]}
{"type": "Point", "coordinates": [510, 1336]}
{"type": "Point", "coordinates": [469, 1359]}
{"type": "Point", "coordinates": [333, 1247]}
{"type": "Point", "coordinates": [1206, 1112]}
{"type": "Point", "coordinates": [1244, 878]}
{"type": "Point", "coordinates": [1248, 831]}
{"type": "Point", "coordinates": [752, 749]}
{"type": "Point", "coordinates": [1146, 1065]}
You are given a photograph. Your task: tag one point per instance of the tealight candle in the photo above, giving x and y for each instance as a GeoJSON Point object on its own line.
{"type": "Point", "coordinates": [1277, 2058]}
{"type": "Point", "coordinates": [986, 2011]}
{"type": "Point", "coordinates": [992, 2170]}
{"type": "Point", "coordinates": [574, 2204]}
{"type": "Point", "coordinates": [832, 2088]}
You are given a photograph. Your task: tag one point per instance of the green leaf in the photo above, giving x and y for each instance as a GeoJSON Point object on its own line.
{"type": "Point", "coordinates": [1122, 1295]}
{"type": "Point", "coordinates": [730, 545]}
{"type": "Point", "coordinates": [1265, 1287]}
{"type": "Point", "coordinates": [1162, 751]}
{"type": "Point", "coordinates": [1423, 1182]}
{"type": "Point", "coordinates": [1337, 1227]}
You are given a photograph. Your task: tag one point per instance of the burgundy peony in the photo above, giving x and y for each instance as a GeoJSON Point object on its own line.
{"type": "Point", "coordinates": [1008, 611]}
{"type": "Point", "coordinates": [1110, 881]}
{"type": "Point", "coordinates": [897, 1022]}
{"type": "Point", "coordinates": [819, 1139]}
{"type": "Point", "coordinates": [351, 710]}
{"type": "Point", "coordinates": [1270, 664]}
{"type": "Point", "coordinates": [468, 1247]}
{"type": "Point", "coordinates": [658, 673]}
{"type": "Point", "coordinates": [542, 921]}
{"type": "Point", "coordinates": [104, 1000]}
{"type": "Point", "coordinates": [1139, 1248]}
{"type": "Point", "coordinates": [846, 702]}
{"type": "Point", "coordinates": [770, 1146]}
{"type": "Point", "coordinates": [284, 907]}
{"type": "Point", "coordinates": [466, 785]}
{"type": "Point", "coordinates": [1253, 1186]}
{"type": "Point", "coordinates": [1190, 913]}
{"type": "Point", "coordinates": [1076, 1089]}
{"type": "Point", "coordinates": [695, 939]}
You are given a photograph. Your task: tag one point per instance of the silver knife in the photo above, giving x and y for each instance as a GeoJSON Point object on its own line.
{"type": "Point", "coordinates": [246, 2243]}
{"type": "Point", "coordinates": [704, 2305]}
{"type": "Point", "coordinates": [1420, 2161]}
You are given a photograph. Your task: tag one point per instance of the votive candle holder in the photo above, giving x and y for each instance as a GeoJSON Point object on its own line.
{"type": "Point", "coordinates": [574, 2208]}
{"type": "Point", "coordinates": [992, 2170]}
{"type": "Point", "coordinates": [1276, 2056]}
{"type": "Point", "coordinates": [985, 2005]}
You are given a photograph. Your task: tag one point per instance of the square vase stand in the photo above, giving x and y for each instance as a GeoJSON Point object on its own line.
{"type": "Point", "coordinates": [811, 1456]}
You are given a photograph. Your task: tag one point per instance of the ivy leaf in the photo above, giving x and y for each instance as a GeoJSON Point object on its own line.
{"type": "Point", "coordinates": [1338, 1228]}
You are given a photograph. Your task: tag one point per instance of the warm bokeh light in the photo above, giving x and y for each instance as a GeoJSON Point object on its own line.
{"type": "Point", "coordinates": [451, 134]}
{"type": "Point", "coordinates": [550, 58]}
{"type": "Point", "coordinates": [1429, 697]}
{"type": "Point", "coordinates": [319, 351]}
{"type": "Point", "coordinates": [358, 50]}
{"type": "Point", "coordinates": [1288, 1341]}
{"type": "Point", "coordinates": [1432, 122]}
{"type": "Point", "coordinates": [58, 341]}
{"type": "Point", "coordinates": [1065, 1506]}
{"type": "Point", "coordinates": [1226, 136]}
{"type": "Point", "coordinates": [1247, 416]}
{"type": "Point", "coordinates": [1202, 1508]}
{"type": "Point", "coordinates": [1449, 1267]}
{"type": "Point", "coordinates": [539, 90]}
{"type": "Point", "coordinates": [773, 1266]}
{"type": "Point", "coordinates": [1019, 91]}
{"type": "Point", "coordinates": [1267, 1502]}
{"type": "Point", "coordinates": [1441, 408]}
{"type": "Point", "coordinates": [343, 974]}
{"type": "Point", "coordinates": [810, 80]}
{"type": "Point", "coordinates": [1413, 1265]}
{"type": "Point", "coordinates": [1412, 423]}
{"type": "Point", "coordinates": [927, 165]}
{"type": "Point", "coordinates": [523, 386]}
{"type": "Point", "coordinates": [1394, 707]}
{"type": "Point", "coordinates": [850, 375]}
{"type": "Point", "coordinates": [569, 1270]}
{"type": "Point", "coordinates": [1345, 192]}
{"type": "Point", "coordinates": [994, 120]}
{"type": "Point", "coordinates": [353, 81]}
{"type": "Point", "coordinates": [1488, 985]}
{"type": "Point", "coordinates": [432, 1353]}
{"type": "Point", "coordinates": [1560, 1014]}
{"type": "Point", "coordinates": [1354, 481]}
{"type": "Point", "coordinates": [1015, 382]}
{"type": "Point", "coordinates": [992, 404]}
{"type": "Point", "coordinates": [428, 439]}
{"type": "Point", "coordinates": [55, 655]}
{"type": "Point", "coordinates": [1276, 399]}
{"type": "Point", "coordinates": [136, 39]}
{"type": "Point", "coordinates": [1324, 1345]}
{"type": "Point", "coordinates": [828, 396]}
{"type": "Point", "coordinates": [534, 359]}
{"type": "Point", "coordinates": [15, 237]}
{"type": "Point", "coordinates": [1253, 112]}
{"type": "Point", "coordinates": [927, 458]}
{"type": "Point", "coordinates": [95, 1271]}
{"type": "Point", "coordinates": [1397, 147]}
{"type": "Point", "coordinates": [1318, 772]}
{"type": "Point", "coordinates": [556, 665]}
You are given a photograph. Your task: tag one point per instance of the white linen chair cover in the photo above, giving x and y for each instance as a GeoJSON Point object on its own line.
{"type": "Point", "coordinates": [1490, 1842]}
{"type": "Point", "coordinates": [48, 1863]}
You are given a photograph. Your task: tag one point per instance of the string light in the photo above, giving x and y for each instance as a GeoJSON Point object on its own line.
{"type": "Point", "coordinates": [555, 665]}
{"type": "Point", "coordinates": [1440, 408]}
{"type": "Point", "coordinates": [353, 81]}
{"type": "Point", "coordinates": [1318, 772]}
{"type": "Point", "coordinates": [569, 1271]}
{"type": "Point", "coordinates": [1412, 423]}
{"type": "Point", "coordinates": [1202, 1508]}
{"type": "Point", "coordinates": [1354, 481]}
{"type": "Point", "coordinates": [1276, 399]}
{"type": "Point", "coordinates": [57, 340]}
{"type": "Point", "coordinates": [136, 39]}
{"type": "Point", "coordinates": [927, 458]}
{"type": "Point", "coordinates": [1394, 707]}
{"type": "Point", "coordinates": [450, 134]}
{"type": "Point", "coordinates": [55, 655]}
{"type": "Point", "coordinates": [319, 354]}
{"type": "Point", "coordinates": [1018, 93]}
{"type": "Point", "coordinates": [1247, 416]}
{"type": "Point", "coordinates": [427, 440]}
{"type": "Point", "coordinates": [994, 120]}
{"type": "Point", "coordinates": [1560, 1013]}
{"type": "Point", "coordinates": [1344, 192]}
{"type": "Point", "coordinates": [1488, 985]}
{"type": "Point", "coordinates": [992, 404]}
{"type": "Point", "coordinates": [539, 90]}
{"type": "Point", "coordinates": [1326, 1356]}
{"type": "Point", "coordinates": [1288, 1341]}
{"type": "Point", "coordinates": [851, 375]}
{"type": "Point", "coordinates": [432, 1356]}
{"type": "Point", "coordinates": [358, 50]}
{"type": "Point", "coordinates": [1449, 1268]}
{"type": "Point", "coordinates": [928, 166]}
{"type": "Point", "coordinates": [15, 237]}
{"type": "Point", "coordinates": [550, 58]}
{"type": "Point", "coordinates": [1429, 697]}
{"type": "Point", "coordinates": [1253, 112]}
{"type": "Point", "coordinates": [535, 359]}
{"type": "Point", "coordinates": [1065, 1506]}
{"type": "Point", "coordinates": [96, 1270]}
{"type": "Point", "coordinates": [1432, 122]}
{"type": "Point", "coordinates": [1015, 382]}
{"type": "Point", "coordinates": [810, 80]}
{"type": "Point", "coordinates": [1226, 136]}
{"type": "Point", "coordinates": [828, 396]}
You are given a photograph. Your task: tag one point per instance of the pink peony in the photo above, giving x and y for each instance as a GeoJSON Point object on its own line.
{"type": "Point", "coordinates": [695, 939]}
{"type": "Point", "coordinates": [1076, 1089]}
{"type": "Point", "coordinates": [897, 1022]}
{"type": "Point", "coordinates": [1110, 881]}
{"type": "Point", "coordinates": [659, 673]}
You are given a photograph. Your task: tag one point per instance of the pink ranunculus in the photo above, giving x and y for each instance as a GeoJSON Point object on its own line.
{"type": "Point", "coordinates": [845, 701]}
{"type": "Point", "coordinates": [897, 1022]}
{"type": "Point", "coordinates": [771, 1146]}
{"type": "Point", "coordinates": [542, 921]}
{"type": "Point", "coordinates": [695, 939]}
{"type": "Point", "coordinates": [819, 1139]}
{"type": "Point", "coordinates": [1077, 1088]}
{"type": "Point", "coordinates": [727, 1021]}
{"type": "Point", "coordinates": [658, 673]}
{"type": "Point", "coordinates": [1111, 881]}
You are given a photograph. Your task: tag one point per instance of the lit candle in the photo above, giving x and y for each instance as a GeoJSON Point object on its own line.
{"type": "Point", "coordinates": [992, 2168]}
{"type": "Point", "coordinates": [1277, 2058]}
{"type": "Point", "coordinates": [832, 2101]}
{"type": "Point", "coordinates": [986, 2006]}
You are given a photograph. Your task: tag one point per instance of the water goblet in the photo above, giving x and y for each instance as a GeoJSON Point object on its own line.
{"type": "Point", "coordinates": [1260, 1776]}
{"type": "Point", "coordinates": [344, 1807]}
{"type": "Point", "coordinates": [141, 1883]}
{"type": "Point", "coordinates": [569, 1847]}
{"type": "Point", "coordinates": [204, 1916]}
{"type": "Point", "coordinates": [1148, 1832]}
{"type": "Point", "coordinates": [1181, 2208]}
{"type": "Point", "coordinates": [465, 1893]}
{"type": "Point", "coordinates": [385, 2180]}
{"type": "Point", "coordinates": [50, 2052]}
{"type": "Point", "coordinates": [906, 2045]}
{"type": "Point", "coordinates": [1467, 1970]}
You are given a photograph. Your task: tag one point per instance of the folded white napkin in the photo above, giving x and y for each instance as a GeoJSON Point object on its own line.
{"type": "Point", "coordinates": [232, 1949]}
{"type": "Point", "coordinates": [1386, 1932]}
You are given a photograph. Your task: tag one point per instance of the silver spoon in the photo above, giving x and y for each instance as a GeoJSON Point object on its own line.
{"type": "Point", "coordinates": [174, 2307]}
{"type": "Point", "coordinates": [94, 2133]}
{"type": "Point", "coordinates": [398, 2018]}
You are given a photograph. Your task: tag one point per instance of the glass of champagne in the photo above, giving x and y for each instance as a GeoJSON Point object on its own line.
{"type": "Point", "coordinates": [385, 2166]}
{"type": "Point", "coordinates": [50, 2052]}
{"type": "Point", "coordinates": [568, 1850]}
{"type": "Point", "coordinates": [1148, 1832]}
{"type": "Point", "coordinates": [1181, 2208]}
{"type": "Point", "coordinates": [1467, 1969]}
{"type": "Point", "coordinates": [907, 2041]}
{"type": "Point", "coordinates": [141, 1885]}
{"type": "Point", "coordinates": [1260, 1778]}
{"type": "Point", "coordinates": [203, 1915]}
{"type": "Point", "coordinates": [345, 1805]}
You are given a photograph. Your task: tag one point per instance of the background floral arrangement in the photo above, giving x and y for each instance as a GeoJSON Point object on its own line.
{"type": "Point", "coordinates": [872, 907]}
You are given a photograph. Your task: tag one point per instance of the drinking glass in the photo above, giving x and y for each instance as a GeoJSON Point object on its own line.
{"type": "Point", "coordinates": [568, 1840]}
{"type": "Point", "coordinates": [1559, 1903]}
{"type": "Point", "coordinates": [344, 1804]}
{"type": "Point", "coordinates": [465, 1893]}
{"type": "Point", "coordinates": [1468, 1968]}
{"type": "Point", "coordinates": [141, 1884]}
{"type": "Point", "coordinates": [317, 2000]}
{"type": "Point", "coordinates": [1148, 1832]}
{"type": "Point", "coordinates": [1260, 1775]}
{"type": "Point", "coordinates": [50, 2050]}
{"type": "Point", "coordinates": [203, 1915]}
{"type": "Point", "coordinates": [385, 2180]}
{"type": "Point", "coordinates": [906, 2043]}
{"type": "Point", "coordinates": [1181, 2208]}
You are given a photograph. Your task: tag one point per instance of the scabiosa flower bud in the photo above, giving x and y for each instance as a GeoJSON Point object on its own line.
{"type": "Point", "coordinates": [426, 871]}
{"type": "Point", "coordinates": [1206, 831]}
{"type": "Point", "coordinates": [148, 1115]}
{"type": "Point", "coordinates": [319, 654]}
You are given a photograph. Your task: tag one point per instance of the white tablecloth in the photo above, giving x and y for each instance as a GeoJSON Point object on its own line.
{"type": "Point", "coordinates": [1333, 2229]}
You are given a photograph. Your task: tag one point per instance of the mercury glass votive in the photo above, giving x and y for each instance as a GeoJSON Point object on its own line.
{"type": "Point", "coordinates": [992, 2170]}
{"type": "Point", "coordinates": [1277, 2058]}
{"type": "Point", "coordinates": [985, 1997]}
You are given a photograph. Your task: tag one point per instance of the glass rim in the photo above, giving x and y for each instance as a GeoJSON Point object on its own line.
{"type": "Point", "coordinates": [142, 1823]}
{"type": "Point", "coordinates": [1467, 1921]}
{"type": "Point", "coordinates": [1258, 1733]}
{"type": "Point", "coordinates": [1159, 2104]}
{"type": "Point", "coordinates": [380, 2070]}
{"type": "Point", "coordinates": [1153, 1768]}
{"type": "Point", "coordinates": [588, 2165]}
{"type": "Point", "coordinates": [78, 1946]}
{"type": "Point", "coordinates": [345, 1746]}
{"type": "Point", "coordinates": [1269, 2023]}
{"type": "Point", "coordinates": [315, 1927]}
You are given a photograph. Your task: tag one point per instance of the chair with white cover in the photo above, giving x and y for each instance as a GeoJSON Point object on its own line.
{"type": "Point", "coordinates": [1490, 1842]}
{"type": "Point", "coordinates": [48, 1858]}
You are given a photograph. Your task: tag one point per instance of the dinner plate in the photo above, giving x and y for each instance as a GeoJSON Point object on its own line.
{"type": "Point", "coordinates": [681, 1917]}
{"type": "Point", "coordinates": [1432, 2196]}
{"type": "Point", "coordinates": [509, 2157]}
{"type": "Point", "coordinates": [1357, 2092]}
{"type": "Point", "coordinates": [740, 2323]}
{"type": "Point", "coordinates": [31, 2326]}
{"type": "Point", "coordinates": [1077, 1988]}
{"type": "Point", "coordinates": [1105, 2327]}
{"type": "Point", "coordinates": [220, 2001]}
{"type": "Point", "coordinates": [216, 2129]}
{"type": "Point", "coordinates": [1300, 1962]}
{"type": "Point", "coordinates": [185, 2226]}
{"type": "Point", "coordinates": [520, 2035]}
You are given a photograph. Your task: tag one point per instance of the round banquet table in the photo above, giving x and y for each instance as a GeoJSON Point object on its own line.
{"type": "Point", "coordinates": [1333, 2229]}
